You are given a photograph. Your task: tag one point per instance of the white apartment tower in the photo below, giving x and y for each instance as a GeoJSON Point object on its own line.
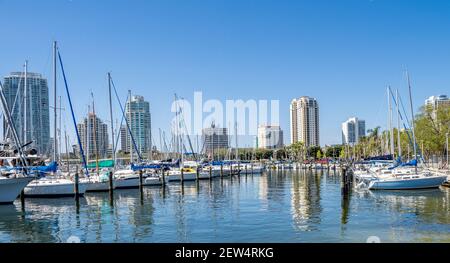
{"type": "Point", "coordinates": [270, 137]}
{"type": "Point", "coordinates": [352, 130]}
{"type": "Point", "coordinates": [304, 123]}
{"type": "Point", "coordinates": [139, 120]}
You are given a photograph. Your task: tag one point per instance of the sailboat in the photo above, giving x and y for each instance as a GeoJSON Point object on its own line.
{"type": "Point", "coordinates": [54, 186]}
{"type": "Point", "coordinates": [406, 176]}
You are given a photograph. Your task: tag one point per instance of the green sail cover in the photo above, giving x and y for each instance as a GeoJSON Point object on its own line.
{"type": "Point", "coordinates": [101, 164]}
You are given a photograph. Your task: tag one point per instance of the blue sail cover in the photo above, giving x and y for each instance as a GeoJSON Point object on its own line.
{"type": "Point", "coordinates": [380, 158]}
{"type": "Point", "coordinates": [41, 170]}
{"type": "Point", "coordinates": [410, 163]}
{"type": "Point", "coordinates": [148, 166]}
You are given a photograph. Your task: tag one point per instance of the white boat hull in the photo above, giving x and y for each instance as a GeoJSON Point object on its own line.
{"type": "Point", "coordinates": [97, 187]}
{"type": "Point", "coordinates": [53, 188]}
{"type": "Point", "coordinates": [151, 180]}
{"type": "Point", "coordinates": [177, 177]}
{"type": "Point", "coordinates": [405, 184]}
{"type": "Point", "coordinates": [10, 188]}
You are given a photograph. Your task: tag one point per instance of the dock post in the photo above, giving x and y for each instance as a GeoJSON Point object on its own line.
{"type": "Point", "coordinates": [182, 176]}
{"type": "Point", "coordinates": [163, 178]}
{"type": "Point", "coordinates": [246, 169]}
{"type": "Point", "coordinates": [77, 186]}
{"type": "Point", "coordinates": [22, 198]}
{"type": "Point", "coordinates": [251, 169]}
{"type": "Point", "coordinates": [140, 179]}
{"type": "Point", "coordinates": [197, 173]}
{"type": "Point", "coordinates": [111, 182]}
{"type": "Point", "coordinates": [221, 171]}
{"type": "Point", "coordinates": [210, 172]}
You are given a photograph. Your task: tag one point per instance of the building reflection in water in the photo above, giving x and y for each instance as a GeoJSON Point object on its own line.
{"type": "Point", "coordinates": [305, 200]}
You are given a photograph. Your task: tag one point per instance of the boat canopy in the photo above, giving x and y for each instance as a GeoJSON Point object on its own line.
{"type": "Point", "coordinates": [101, 164]}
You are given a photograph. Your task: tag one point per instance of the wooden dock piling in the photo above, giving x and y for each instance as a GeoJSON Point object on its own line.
{"type": "Point", "coordinates": [77, 186]}
{"type": "Point", "coordinates": [141, 183]}
{"type": "Point", "coordinates": [111, 182]}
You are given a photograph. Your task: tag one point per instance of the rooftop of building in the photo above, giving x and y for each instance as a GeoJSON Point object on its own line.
{"type": "Point", "coordinates": [22, 74]}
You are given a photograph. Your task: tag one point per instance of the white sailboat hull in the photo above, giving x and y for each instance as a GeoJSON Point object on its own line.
{"type": "Point", "coordinates": [406, 184]}
{"type": "Point", "coordinates": [53, 188]}
{"type": "Point", "coordinates": [10, 188]}
{"type": "Point", "coordinates": [177, 177]}
{"type": "Point", "coordinates": [98, 187]}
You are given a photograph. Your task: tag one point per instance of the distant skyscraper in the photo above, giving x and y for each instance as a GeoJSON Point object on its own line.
{"type": "Point", "coordinates": [124, 147]}
{"type": "Point", "coordinates": [436, 101]}
{"type": "Point", "coordinates": [270, 137]}
{"type": "Point", "coordinates": [305, 121]}
{"type": "Point", "coordinates": [94, 134]}
{"type": "Point", "coordinates": [214, 138]}
{"type": "Point", "coordinates": [139, 119]}
{"type": "Point", "coordinates": [352, 130]}
{"type": "Point", "coordinates": [30, 104]}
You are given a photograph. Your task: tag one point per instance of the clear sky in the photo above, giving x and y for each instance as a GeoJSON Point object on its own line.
{"type": "Point", "coordinates": [344, 53]}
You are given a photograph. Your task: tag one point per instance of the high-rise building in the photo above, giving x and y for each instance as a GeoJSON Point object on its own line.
{"type": "Point", "coordinates": [30, 104]}
{"type": "Point", "coordinates": [124, 147]}
{"type": "Point", "coordinates": [352, 130]}
{"type": "Point", "coordinates": [305, 121]}
{"type": "Point", "coordinates": [139, 120]}
{"type": "Point", "coordinates": [214, 138]}
{"type": "Point", "coordinates": [436, 101]}
{"type": "Point", "coordinates": [270, 137]}
{"type": "Point", "coordinates": [94, 136]}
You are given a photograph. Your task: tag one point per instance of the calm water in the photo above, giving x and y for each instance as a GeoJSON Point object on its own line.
{"type": "Point", "coordinates": [292, 206]}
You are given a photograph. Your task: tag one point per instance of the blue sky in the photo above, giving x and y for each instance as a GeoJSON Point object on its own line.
{"type": "Point", "coordinates": [344, 53]}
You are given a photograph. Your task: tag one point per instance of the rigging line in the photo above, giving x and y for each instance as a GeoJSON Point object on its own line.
{"type": "Point", "coordinates": [126, 121]}
{"type": "Point", "coordinates": [73, 115]}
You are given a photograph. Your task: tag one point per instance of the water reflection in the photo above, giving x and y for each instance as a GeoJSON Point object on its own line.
{"type": "Point", "coordinates": [305, 203]}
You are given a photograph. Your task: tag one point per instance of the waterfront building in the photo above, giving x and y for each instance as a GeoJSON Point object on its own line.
{"type": "Point", "coordinates": [94, 134]}
{"type": "Point", "coordinates": [304, 121]}
{"type": "Point", "coordinates": [434, 102]}
{"type": "Point", "coordinates": [214, 138]}
{"type": "Point", "coordinates": [124, 146]}
{"type": "Point", "coordinates": [30, 104]}
{"type": "Point", "coordinates": [270, 137]}
{"type": "Point", "coordinates": [139, 119]}
{"type": "Point", "coordinates": [352, 130]}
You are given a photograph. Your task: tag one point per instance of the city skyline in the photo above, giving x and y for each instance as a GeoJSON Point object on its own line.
{"type": "Point", "coordinates": [369, 48]}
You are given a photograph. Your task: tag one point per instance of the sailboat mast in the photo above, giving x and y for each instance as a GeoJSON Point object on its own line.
{"type": "Point", "coordinates": [88, 134]}
{"type": "Point", "coordinates": [412, 118]}
{"type": "Point", "coordinates": [67, 149]}
{"type": "Point", "coordinates": [95, 135]}
{"type": "Point", "coordinates": [391, 127]}
{"type": "Point", "coordinates": [131, 125]}
{"type": "Point", "coordinates": [59, 130]}
{"type": "Point", "coordinates": [236, 138]}
{"type": "Point", "coordinates": [55, 142]}
{"type": "Point", "coordinates": [25, 96]}
{"type": "Point", "coordinates": [112, 122]}
{"type": "Point", "coordinates": [399, 145]}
